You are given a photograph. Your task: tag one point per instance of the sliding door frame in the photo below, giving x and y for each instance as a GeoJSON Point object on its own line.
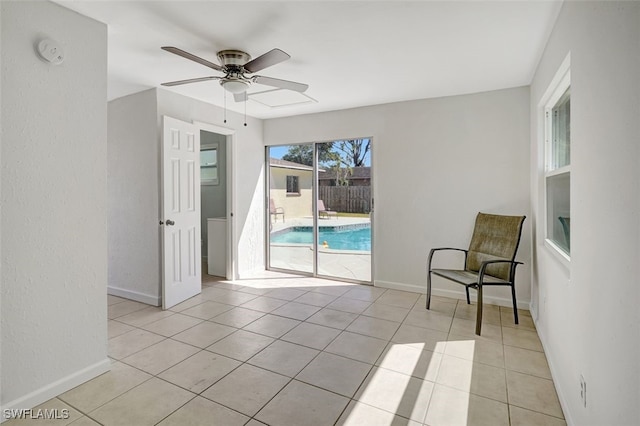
{"type": "Point", "coordinates": [316, 226]}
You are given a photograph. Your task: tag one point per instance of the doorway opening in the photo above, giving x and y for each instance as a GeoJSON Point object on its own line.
{"type": "Point", "coordinates": [191, 168]}
{"type": "Point", "coordinates": [319, 209]}
{"type": "Point", "coordinates": [213, 205]}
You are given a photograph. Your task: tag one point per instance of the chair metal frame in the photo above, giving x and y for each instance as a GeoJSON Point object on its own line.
{"type": "Point", "coordinates": [479, 282]}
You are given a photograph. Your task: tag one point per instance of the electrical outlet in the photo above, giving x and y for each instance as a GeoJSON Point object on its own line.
{"type": "Point", "coordinates": [583, 390]}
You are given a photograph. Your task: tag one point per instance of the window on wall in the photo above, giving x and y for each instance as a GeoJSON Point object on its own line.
{"type": "Point", "coordinates": [557, 115]}
{"type": "Point", "coordinates": [293, 185]}
{"type": "Point", "coordinates": [209, 165]}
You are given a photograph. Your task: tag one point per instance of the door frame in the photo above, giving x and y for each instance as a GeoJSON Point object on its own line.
{"type": "Point", "coordinates": [315, 209]}
{"type": "Point", "coordinates": [232, 244]}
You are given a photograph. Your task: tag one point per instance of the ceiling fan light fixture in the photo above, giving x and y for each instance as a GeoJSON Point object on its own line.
{"type": "Point", "coordinates": [235, 86]}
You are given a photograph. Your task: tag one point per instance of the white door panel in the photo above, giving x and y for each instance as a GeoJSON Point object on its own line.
{"type": "Point", "coordinates": [181, 277]}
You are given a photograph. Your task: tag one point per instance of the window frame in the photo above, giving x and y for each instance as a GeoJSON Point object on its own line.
{"type": "Point", "coordinates": [556, 90]}
{"type": "Point", "coordinates": [297, 185]}
{"type": "Point", "coordinates": [214, 181]}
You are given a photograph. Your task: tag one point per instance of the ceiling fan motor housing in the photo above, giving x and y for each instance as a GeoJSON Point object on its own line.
{"type": "Point", "coordinates": [233, 62]}
{"type": "Point", "coordinates": [233, 58]}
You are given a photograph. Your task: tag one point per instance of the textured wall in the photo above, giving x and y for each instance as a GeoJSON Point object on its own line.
{"type": "Point", "coordinates": [588, 317]}
{"type": "Point", "coordinates": [134, 187]}
{"type": "Point", "coordinates": [133, 155]}
{"type": "Point", "coordinates": [436, 163]}
{"type": "Point", "coordinates": [247, 168]}
{"type": "Point", "coordinates": [53, 209]}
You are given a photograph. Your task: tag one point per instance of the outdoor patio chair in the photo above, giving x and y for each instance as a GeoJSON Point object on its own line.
{"type": "Point", "coordinates": [275, 211]}
{"type": "Point", "coordinates": [323, 212]}
{"type": "Point", "coordinates": [490, 259]}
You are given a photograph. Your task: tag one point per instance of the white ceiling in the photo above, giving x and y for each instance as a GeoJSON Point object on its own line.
{"type": "Point", "coordinates": [351, 53]}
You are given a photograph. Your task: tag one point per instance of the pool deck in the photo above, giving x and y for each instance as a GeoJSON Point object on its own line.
{"type": "Point", "coordinates": [352, 265]}
{"type": "Point", "coordinates": [308, 221]}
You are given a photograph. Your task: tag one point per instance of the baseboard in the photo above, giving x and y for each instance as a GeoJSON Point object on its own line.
{"type": "Point", "coordinates": [534, 311]}
{"type": "Point", "coordinates": [561, 396]}
{"type": "Point", "coordinates": [134, 295]}
{"type": "Point", "coordinates": [54, 389]}
{"type": "Point", "coordinates": [400, 286]}
{"type": "Point", "coordinates": [491, 300]}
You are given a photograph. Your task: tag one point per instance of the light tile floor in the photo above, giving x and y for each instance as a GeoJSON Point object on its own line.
{"type": "Point", "coordinates": [301, 351]}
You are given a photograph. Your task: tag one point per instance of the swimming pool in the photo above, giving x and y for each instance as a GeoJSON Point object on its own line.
{"type": "Point", "coordinates": [336, 238]}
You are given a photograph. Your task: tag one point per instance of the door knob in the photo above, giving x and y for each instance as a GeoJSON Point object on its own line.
{"type": "Point", "coordinates": [170, 222]}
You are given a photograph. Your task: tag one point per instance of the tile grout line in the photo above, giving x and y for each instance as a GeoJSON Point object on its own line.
{"type": "Point", "coordinates": [341, 331]}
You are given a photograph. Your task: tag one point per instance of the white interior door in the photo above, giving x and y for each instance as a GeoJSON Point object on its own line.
{"type": "Point", "coordinates": [181, 276]}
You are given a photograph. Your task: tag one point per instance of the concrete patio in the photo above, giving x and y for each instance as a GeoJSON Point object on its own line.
{"type": "Point", "coordinates": [347, 264]}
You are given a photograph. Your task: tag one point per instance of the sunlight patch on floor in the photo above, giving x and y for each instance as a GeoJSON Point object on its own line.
{"type": "Point", "coordinates": [403, 384]}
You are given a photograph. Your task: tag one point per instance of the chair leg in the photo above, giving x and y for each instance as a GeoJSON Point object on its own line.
{"type": "Point", "coordinates": [428, 304]}
{"type": "Point", "coordinates": [515, 305]}
{"type": "Point", "coordinates": [467, 290]}
{"type": "Point", "coordinates": [479, 311]}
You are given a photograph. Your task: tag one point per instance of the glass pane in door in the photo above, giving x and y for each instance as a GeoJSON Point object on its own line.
{"type": "Point", "coordinates": [290, 207]}
{"type": "Point", "coordinates": [344, 209]}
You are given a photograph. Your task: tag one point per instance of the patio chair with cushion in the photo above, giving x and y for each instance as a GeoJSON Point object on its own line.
{"type": "Point", "coordinates": [323, 212]}
{"type": "Point", "coordinates": [490, 259]}
{"type": "Point", "coordinates": [275, 211]}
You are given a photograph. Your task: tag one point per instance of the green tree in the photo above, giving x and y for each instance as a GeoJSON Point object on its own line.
{"type": "Point", "coordinates": [338, 157]}
{"type": "Point", "coordinates": [303, 154]}
{"type": "Point", "coordinates": [345, 155]}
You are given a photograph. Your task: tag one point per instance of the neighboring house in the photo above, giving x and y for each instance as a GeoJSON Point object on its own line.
{"type": "Point", "coordinates": [291, 187]}
{"type": "Point", "coordinates": [356, 176]}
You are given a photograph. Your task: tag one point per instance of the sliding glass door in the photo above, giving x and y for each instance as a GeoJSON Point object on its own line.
{"type": "Point", "coordinates": [290, 207]}
{"type": "Point", "coordinates": [319, 209]}
{"type": "Point", "coordinates": [344, 209]}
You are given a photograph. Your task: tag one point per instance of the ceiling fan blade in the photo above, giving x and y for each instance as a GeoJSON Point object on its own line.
{"type": "Point", "coordinates": [281, 84]}
{"type": "Point", "coordinates": [240, 97]}
{"type": "Point", "coordinates": [272, 57]}
{"type": "Point", "coordinates": [191, 80]}
{"type": "Point", "coordinates": [192, 57]}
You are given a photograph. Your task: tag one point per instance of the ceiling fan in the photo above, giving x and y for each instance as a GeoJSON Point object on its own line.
{"type": "Point", "coordinates": [236, 64]}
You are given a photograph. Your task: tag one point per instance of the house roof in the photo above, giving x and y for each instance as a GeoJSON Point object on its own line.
{"type": "Point", "coordinates": [284, 164]}
{"type": "Point", "coordinates": [356, 173]}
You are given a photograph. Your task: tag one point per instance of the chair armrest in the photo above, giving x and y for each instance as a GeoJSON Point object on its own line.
{"type": "Point", "coordinates": [432, 252]}
{"type": "Point", "coordinates": [486, 263]}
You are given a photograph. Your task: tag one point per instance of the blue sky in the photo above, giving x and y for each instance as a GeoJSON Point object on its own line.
{"type": "Point", "coordinates": [279, 151]}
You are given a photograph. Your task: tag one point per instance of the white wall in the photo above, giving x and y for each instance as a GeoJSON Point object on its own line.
{"type": "Point", "coordinates": [129, 119]}
{"type": "Point", "coordinates": [248, 166]}
{"type": "Point", "coordinates": [133, 178]}
{"type": "Point", "coordinates": [588, 315]}
{"type": "Point", "coordinates": [54, 203]}
{"type": "Point", "coordinates": [436, 163]}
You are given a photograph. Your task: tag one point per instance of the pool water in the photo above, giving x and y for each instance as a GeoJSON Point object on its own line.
{"type": "Point", "coordinates": [351, 239]}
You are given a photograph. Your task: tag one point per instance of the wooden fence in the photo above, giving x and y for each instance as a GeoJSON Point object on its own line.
{"type": "Point", "coordinates": [346, 199]}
